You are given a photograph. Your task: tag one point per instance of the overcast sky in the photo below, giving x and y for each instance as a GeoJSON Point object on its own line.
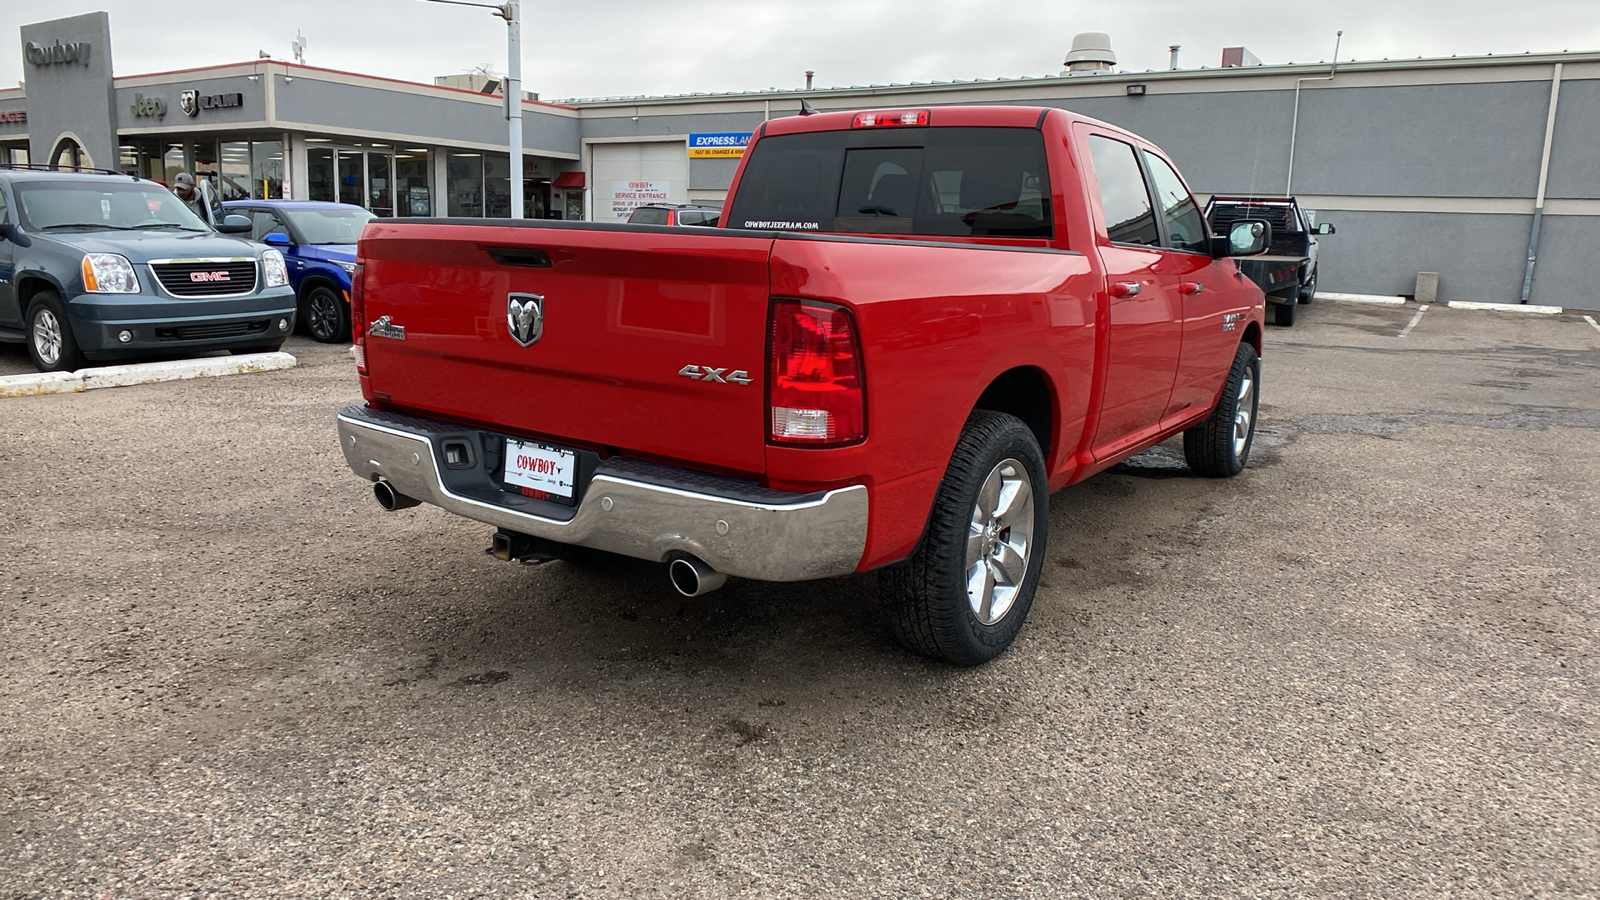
{"type": "Point", "coordinates": [597, 48]}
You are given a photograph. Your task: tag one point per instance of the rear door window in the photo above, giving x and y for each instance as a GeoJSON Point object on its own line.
{"type": "Point", "coordinates": [934, 181]}
{"type": "Point", "coordinates": [650, 215]}
{"type": "Point", "coordinates": [1124, 199]}
{"type": "Point", "coordinates": [1186, 228]}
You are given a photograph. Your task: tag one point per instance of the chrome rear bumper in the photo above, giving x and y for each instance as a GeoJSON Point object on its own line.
{"type": "Point", "coordinates": [645, 511]}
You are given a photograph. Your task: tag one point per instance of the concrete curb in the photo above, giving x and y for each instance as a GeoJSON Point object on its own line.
{"type": "Point", "coordinates": [141, 373]}
{"type": "Point", "coordinates": [1506, 307]}
{"type": "Point", "coordinates": [1363, 298]}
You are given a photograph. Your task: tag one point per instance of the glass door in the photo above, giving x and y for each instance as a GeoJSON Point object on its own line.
{"type": "Point", "coordinates": [352, 177]}
{"type": "Point", "coordinates": [380, 187]}
{"type": "Point", "coordinates": [320, 180]}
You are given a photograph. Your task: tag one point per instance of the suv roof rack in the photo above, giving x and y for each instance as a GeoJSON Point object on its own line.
{"type": "Point", "coordinates": [54, 167]}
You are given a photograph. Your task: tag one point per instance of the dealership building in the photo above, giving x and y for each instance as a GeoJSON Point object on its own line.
{"type": "Point", "coordinates": [1485, 170]}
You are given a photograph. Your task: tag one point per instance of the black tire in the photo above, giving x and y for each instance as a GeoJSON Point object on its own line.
{"type": "Point", "coordinates": [1283, 313]}
{"type": "Point", "coordinates": [50, 339]}
{"type": "Point", "coordinates": [1215, 448]}
{"type": "Point", "coordinates": [273, 347]}
{"type": "Point", "coordinates": [327, 315]}
{"type": "Point", "coordinates": [1308, 291]}
{"type": "Point", "coordinates": [929, 605]}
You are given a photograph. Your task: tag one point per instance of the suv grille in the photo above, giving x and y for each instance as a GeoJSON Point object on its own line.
{"type": "Point", "coordinates": [207, 278]}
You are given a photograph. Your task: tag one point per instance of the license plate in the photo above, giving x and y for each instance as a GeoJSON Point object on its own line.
{"type": "Point", "coordinates": [540, 467]}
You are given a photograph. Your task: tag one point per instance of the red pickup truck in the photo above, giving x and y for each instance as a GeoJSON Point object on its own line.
{"type": "Point", "coordinates": [912, 326]}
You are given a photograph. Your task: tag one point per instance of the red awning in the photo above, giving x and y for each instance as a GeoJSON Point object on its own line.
{"type": "Point", "coordinates": [568, 180]}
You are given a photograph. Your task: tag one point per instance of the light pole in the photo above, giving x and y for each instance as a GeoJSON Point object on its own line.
{"type": "Point", "coordinates": [511, 11]}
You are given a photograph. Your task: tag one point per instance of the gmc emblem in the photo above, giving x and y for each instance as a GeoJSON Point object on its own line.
{"type": "Point", "coordinates": [209, 276]}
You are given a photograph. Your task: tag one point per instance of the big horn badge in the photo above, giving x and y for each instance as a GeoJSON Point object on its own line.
{"type": "Point", "coordinates": [189, 102]}
{"type": "Point", "coordinates": [525, 317]}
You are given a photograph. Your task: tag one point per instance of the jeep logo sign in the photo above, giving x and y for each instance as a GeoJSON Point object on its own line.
{"type": "Point", "coordinates": [57, 53]}
{"type": "Point", "coordinates": [155, 106]}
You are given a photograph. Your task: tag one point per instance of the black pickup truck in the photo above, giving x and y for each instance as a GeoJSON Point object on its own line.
{"type": "Point", "coordinates": [1287, 272]}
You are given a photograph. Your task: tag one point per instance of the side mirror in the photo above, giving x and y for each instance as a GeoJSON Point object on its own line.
{"type": "Point", "coordinates": [1324, 228]}
{"type": "Point", "coordinates": [234, 225]}
{"type": "Point", "coordinates": [1247, 237]}
{"type": "Point", "coordinates": [276, 239]}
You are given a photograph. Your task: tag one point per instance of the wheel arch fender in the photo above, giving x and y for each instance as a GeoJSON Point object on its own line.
{"type": "Point", "coordinates": [321, 278]}
{"type": "Point", "coordinates": [30, 282]}
{"type": "Point", "coordinates": [1027, 392]}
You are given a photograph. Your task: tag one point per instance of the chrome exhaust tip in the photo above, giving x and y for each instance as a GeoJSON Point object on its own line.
{"type": "Point", "coordinates": [391, 499]}
{"type": "Point", "coordinates": [692, 578]}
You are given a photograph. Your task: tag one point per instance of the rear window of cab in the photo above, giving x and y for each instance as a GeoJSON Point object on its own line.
{"type": "Point", "coordinates": [919, 181]}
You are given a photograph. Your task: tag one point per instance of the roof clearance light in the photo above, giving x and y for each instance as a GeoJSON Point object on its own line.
{"type": "Point", "coordinates": [890, 119]}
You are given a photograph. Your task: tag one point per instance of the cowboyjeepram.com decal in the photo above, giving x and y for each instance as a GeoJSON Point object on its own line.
{"type": "Point", "coordinates": [782, 226]}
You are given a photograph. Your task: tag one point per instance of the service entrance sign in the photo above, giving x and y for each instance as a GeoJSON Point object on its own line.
{"type": "Point", "coordinates": [627, 196]}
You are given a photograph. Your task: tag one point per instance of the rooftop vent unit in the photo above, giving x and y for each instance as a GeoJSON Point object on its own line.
{"type": "Point", "coordinates": [1234, 57]}
{"type": "Point", "coordinates": [1091, 52]}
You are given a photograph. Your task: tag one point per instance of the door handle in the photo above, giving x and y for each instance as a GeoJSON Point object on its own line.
{"type": "Point", "coordinates": [1125, 289]}
{"type": "Point", "coordinates": [1190, 287]}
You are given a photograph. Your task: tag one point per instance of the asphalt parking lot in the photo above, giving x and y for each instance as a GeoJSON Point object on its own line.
{"type": "Point", "coordinates": [1365, 668]}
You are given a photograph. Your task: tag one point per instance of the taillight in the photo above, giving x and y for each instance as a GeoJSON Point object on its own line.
{"type": "Point", "coordinates": [358, 315]}
{"type": "Point", "coordinates": [890, 119]}
{"type": "Point", "coordinates": [815, 390]}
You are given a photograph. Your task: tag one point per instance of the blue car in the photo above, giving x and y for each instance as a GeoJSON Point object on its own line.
{"type": "Point", "coordinates": [318, 240]}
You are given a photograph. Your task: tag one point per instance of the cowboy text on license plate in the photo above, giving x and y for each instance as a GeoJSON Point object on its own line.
{"type": "Point", "coordinates": [541, 467]}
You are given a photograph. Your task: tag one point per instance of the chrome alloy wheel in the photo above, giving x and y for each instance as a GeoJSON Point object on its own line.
{"type": "Point", "coordinates": [47, 336]}
{"type": "Point", "coordinates": [1244, 411]}
{"type": "Point", "coordinates": [999, 539]}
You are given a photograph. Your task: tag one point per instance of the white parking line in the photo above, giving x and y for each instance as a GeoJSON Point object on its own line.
{"type": "Point", "coordinates": [1591, 321]}
{"type": "Point", "coordinates": [1414, 320]}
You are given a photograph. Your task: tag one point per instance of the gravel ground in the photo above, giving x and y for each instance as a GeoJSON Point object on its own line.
{"type": "Point", "coordinates": [1365, 668]}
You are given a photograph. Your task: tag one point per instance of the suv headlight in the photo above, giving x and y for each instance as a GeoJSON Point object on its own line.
{"type": "Point", "coordinates": [348, 267]}
{"type": "Point", "coordinates": [109, 273]}
{"type": "Point", "coordinates": [272, 264]}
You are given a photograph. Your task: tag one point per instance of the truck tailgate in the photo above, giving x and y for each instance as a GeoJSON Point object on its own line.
{"type": "Point", "coordinates": [624, 312]}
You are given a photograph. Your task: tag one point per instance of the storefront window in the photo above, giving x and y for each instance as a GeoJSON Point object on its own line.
{"type": "Point", "coordinates": [380, 193]}
{"type": "Point", "coordinates": [497, 186]}
{"type": "Point", "coordinates": [129, 159]}
{"type": "Point", "coordinates": [319, 174]}
{"type": "Point", "coordinates": [266, 170]}
{"type": "Point", "coordinates": [466, 184]}
{"type": "Point", "coordinates": [412, 170]}
{"type": "Point", "coordinates": [171, 162]}
{"type": "Point", "coordinates": [235, 170]}
{"type": "Point", "coordinates": [204, 154]}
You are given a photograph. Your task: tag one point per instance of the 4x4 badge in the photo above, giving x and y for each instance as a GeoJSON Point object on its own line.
{"type": "Point", "coordinates": [525, 317]}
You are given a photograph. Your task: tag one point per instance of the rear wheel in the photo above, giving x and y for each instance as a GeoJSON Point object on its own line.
{"type": "Point", "coordinates": [1308, 292]}
{"type": "Point", "coordinates": [50, 339]}
{"type": "Point", "coordinates": [327, 315]}
{"type": "Point", "coordinates": [1283, 313]}
{"type": "Point", "coordinates": [1220, 446]}
{"type": "Point", "coordinates": [967, 589]}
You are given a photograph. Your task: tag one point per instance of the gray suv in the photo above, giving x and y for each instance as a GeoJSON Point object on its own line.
{"type": "Point", "coordinates": [108, 266]}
